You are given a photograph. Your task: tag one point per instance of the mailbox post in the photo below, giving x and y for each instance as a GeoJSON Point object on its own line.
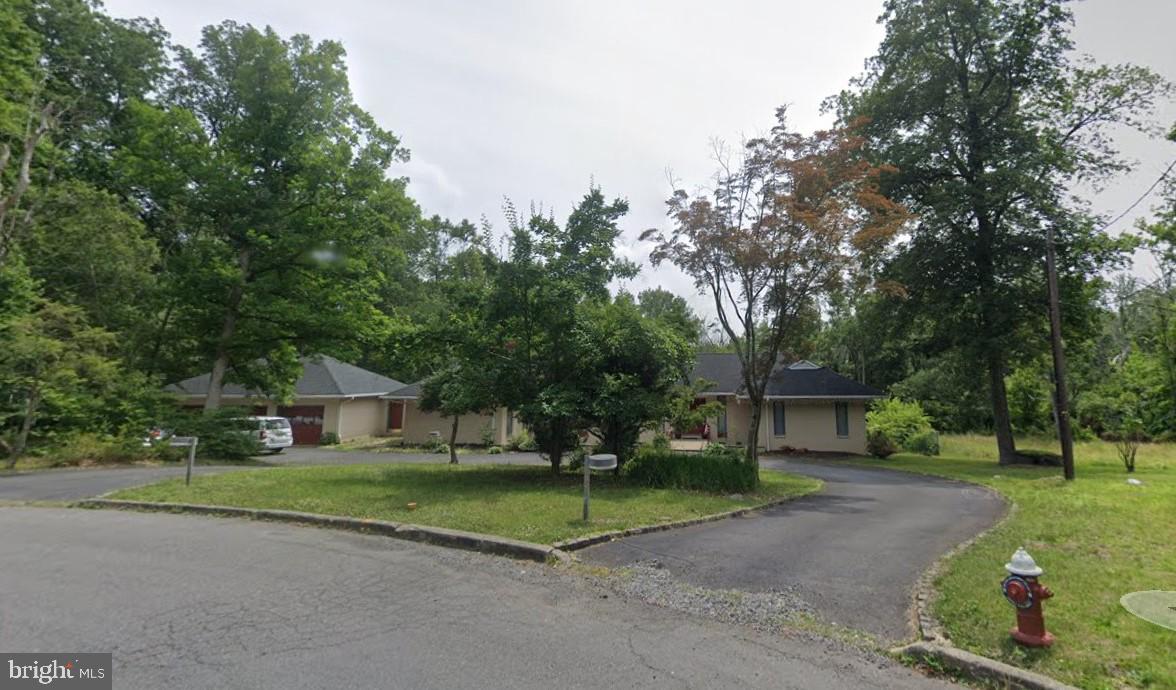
{"type": "Point", "coordinates": [604, 461]}
{"type": "Point", "coordinates": [188, 442]}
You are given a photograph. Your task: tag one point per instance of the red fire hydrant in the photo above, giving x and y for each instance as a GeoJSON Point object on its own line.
{"type": "Point", "coordinates": [1024, 592]}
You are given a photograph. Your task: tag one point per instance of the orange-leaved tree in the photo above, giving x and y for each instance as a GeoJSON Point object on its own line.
{"type": "Point", "coordinates": [792, 218]}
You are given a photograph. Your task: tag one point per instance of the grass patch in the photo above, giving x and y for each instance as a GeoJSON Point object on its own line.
{"type": "Point", "coordinates": [1096, 537]}
{"type": "Point", "coordinates": [521, 502]}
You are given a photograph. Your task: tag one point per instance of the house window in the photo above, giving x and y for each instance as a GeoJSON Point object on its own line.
{"type": "Point", "coordinates": [778, 418]}
{"type": "Point", "coordinates": [509, 424]}
{"type": "Point", "coordinates": [842, 411]}
{"type": "Point", "coordinates": [721, 422]}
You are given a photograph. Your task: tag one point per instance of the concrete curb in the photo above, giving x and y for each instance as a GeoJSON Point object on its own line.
{"type": "Point", "coordinates": [978, 666]}
{"type": "Point", "coordinates": [439, 536]}
{"type": "Point", "coordinates": [936, 645]}
{"type": "Point", "coordinates": [592, 539]}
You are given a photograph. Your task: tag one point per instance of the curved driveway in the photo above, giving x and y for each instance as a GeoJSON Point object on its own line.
{"type": "Point", "coordinates": [197, 602]}
{"type": "Point", "coordinates": [853, 551]}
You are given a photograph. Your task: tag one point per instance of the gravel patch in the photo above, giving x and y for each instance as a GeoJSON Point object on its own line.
{"type": "Point", "coordinates": [650, 583]}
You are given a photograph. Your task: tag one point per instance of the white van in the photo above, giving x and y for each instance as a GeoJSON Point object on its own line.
{"type": "Point", "coordinates": [274, 433]}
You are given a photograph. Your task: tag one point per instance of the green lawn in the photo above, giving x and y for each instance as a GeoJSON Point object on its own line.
{"type": "Point", "coordinates": [1097, 538]}
{"type": "Point", "coordinates": [522, 502]}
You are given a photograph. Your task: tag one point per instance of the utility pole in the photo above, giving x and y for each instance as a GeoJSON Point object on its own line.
{"type": "Point", "coordinates": [1061, 394]}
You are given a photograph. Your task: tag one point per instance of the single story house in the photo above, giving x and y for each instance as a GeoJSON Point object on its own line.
{"type": "Point", "coordinates": [806, 406]}
{"type": "Point", "coordinates": [330, 396]}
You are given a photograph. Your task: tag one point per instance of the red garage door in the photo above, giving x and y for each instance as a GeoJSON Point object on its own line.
{"type": "Point", "coordinates": [307, 422]}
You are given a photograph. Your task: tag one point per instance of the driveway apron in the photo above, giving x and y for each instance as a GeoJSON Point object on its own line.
{"type": "Point", "coordinates": [853, 551]}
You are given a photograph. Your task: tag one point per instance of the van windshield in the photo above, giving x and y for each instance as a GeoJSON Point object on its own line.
{"type": "Point", "coordinates": [277, 423]}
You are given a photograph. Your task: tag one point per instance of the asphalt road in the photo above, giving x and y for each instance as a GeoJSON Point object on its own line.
{"type": "Point", "coordinates": [193, 602]}
{"type": "Point", "coordinates": [75, 484]}
{"type": "Point", "coordinates": [852, 551]}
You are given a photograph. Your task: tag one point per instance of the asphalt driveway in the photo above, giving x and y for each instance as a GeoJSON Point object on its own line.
{"type": "Point", "coordinates": [852, 551]}
{"type": "Point", "coordinates": [195, 602]}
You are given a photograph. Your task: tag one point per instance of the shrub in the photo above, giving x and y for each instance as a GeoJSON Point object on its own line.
{"type": "Point", "coordinates": [494, 450]}
{"type": "Point", "coordinates": [879, 444]}
{"type": "Point", "coordinates": [521, 441]}
{"type": "Point", "coordinates": [721, 470]}
{"type": "Point", "coordinates": [488, 435]}
{"type": "Point", "coordinates": [329, 438]}
{"type": "Point", "coordinates": [441, 448]}
{"type": "Point", "coordinates": [222, 433]}
{"type": "Point", "coordinates": [897, 419]}
{"type": "Point", "coordinates": [923, 443]}
{"type": "Point", "coordinates": [87, 449]}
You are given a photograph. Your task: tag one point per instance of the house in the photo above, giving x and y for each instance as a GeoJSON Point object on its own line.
{"type": "Point", "coordinates": [806, 406]}
{"type": "Point", "coordinates": [330, 397]}
{"type": "Point", "coordinates": [418, 426]}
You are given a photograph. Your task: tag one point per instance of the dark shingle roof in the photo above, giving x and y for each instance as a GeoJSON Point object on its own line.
{"type": "Point", "coordinates": [720, 368]}
{"type": "Point", "coordinates": [321, 375]}
{"type": "Point", "coordinates": [800, 380]}
{"type": "Point", "coordinates": [409, 392]}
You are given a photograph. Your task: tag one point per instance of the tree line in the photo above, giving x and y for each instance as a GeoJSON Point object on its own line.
{"type": "Point", "coordinates": [167, 211]}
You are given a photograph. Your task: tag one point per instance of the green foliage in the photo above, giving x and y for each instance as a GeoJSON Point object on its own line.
{"type": "Point", "coordinates": [521, 441]}
{"type": "Point", "coordinates": [1030, 399]}
{"type": "Point", "coordinates": [494, 450]}
{"type": "Point", "coordinates": [898, 419]}
{"type": "Point", "coordinates": [329, 438]}
{"type": "Point", "coordinates": [534, 313]}
{"type": "Point", "coordinates": [631, 366]}
{"type": "Point", "coordinates": [96, 449]}
{"type": "Point", "coordinates": [223, 434]}
{"type": "Point", "coordinates": [673, 311]}
{"type": "Point", "coordinates": [988, 123]}
{"type": "Point", "coordinates": [924, 442]}
{"type": "Point", "coordinates": [261, 166]}
{"type": "Point", "coordinates": [879, 444]}
{"type": "Point", "coordinates": [718, 471]}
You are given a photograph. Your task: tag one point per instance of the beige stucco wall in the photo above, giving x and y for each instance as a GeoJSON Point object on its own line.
{"type": "Point", "coordinates": [418, 424]}
{"type": "Point", "coordinates": [361, 417]}
{"type": "Point", "coordinates": [812, 425]}
{"type": "Point", "coordinates": [809, 424]}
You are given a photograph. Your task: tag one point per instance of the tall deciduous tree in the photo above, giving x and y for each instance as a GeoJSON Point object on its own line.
{"type": "Point", "coordinates": [988, 121]}
{"type": "Point", "coordinates": [261, 170]}
{"type": "Point", "coordinates": [779, 230]}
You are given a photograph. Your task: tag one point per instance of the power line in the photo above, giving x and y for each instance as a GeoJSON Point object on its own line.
{"type": "Point", "coordinates": [1143, 196]}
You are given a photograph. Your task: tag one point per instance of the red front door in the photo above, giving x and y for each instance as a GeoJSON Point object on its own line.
{"type": "Point", "coordinates": [395, 416]}
{"type": "Point", "coordinates": [306, 422]}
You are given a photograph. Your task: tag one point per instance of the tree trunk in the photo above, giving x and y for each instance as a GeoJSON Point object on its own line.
{"type": "Point", "coordinates": [1006, 446]}
{"type": "Point", "coordinates": [757, 409]}
{"type": "Point", "coordinates": [26, 426]}
{"type": "Point", "coordinates": [220, 364]}
{"type": "Point", "coordinates": [1061, 395]}
{"type": "Point", "coordinates": [453, 440]}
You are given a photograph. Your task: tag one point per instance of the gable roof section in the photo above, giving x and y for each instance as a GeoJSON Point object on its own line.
{"type": "Point", "coordinates": [321, 376]}
{"type": "Point", "coordinates": [800, 380]}
{"type": "Point", "coordinates": [409, 392]}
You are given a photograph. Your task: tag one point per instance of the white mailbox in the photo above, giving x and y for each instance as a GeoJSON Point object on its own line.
{"type": "Point", "coordinates": [603, 461]}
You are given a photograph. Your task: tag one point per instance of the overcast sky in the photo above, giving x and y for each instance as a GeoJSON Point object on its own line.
{"type": "Point", "coordinates": [533, 100]}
